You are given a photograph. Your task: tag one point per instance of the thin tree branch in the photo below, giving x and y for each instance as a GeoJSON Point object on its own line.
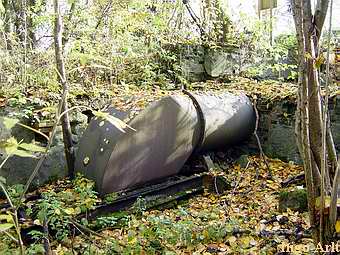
{"type": "Point", "coordinates": [67, 33]}
{"type": "Point", "coordinates": [324, 165]}
{"type": "Point", "coordinates": [194, 17]}
{"type": "Point", "coordinates": [43, 157]}
{"type": "Point", "coordinates": [65, 122]}
{"type": "Point", "coordinates": [103, 14]}
{"type": "Point", "coordinates": [320, 15]}
{"type": "Point", "coordinates": [47, 246]}
{"type": "Point", "coordinates": [263, 156]}
{"type": "Point", "coordinates": [334, 198]}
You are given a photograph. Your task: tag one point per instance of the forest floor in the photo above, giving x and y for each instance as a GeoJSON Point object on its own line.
{"type": "Point", "coordinates": [242, 220]}
{"type": "Point", "coordinates": [245, 219]}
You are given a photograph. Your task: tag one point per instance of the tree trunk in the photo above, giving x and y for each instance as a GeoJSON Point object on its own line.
{"type": "Point", "coordinates": [66, 127]}
{"type": "Point", "coordinates": [8, 23]}
{"type": "Point", "coordinates": [312, 135]}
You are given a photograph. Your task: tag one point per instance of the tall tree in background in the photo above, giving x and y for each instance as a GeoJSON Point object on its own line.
{"type": "Point", "coordinates": [312, 128]}
{"type": "Point", "coordinates": [18, 19]}
{"type": "Point", "coordinates": [59, 56]}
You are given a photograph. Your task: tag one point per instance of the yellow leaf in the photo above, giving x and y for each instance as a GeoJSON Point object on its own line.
{"type": "Point", "coordinates": [77, 210]}
{"type": "Point", "coordinates": [69, 211]}
{"type": "Point", "coordinates": [308, 55]}
{"type": "Point", "coordinates": [132, 240]}
{"type": "Point", "coordinates": [37, 222]}
{"type": "Point", "coordinates": [232, 240]}
{"type": "Point", "coordinates": [10, 145]}
{"type": "Point", "coordinates": [337, 226]}
{"type": "Point", "coordinates": [205, 234]}
{"type": "Point", "coordinates": [31, 147]}
{"type": "Point", "coordinates": [6, 217]}
{"type": "Point", "coordinates": [22, 153]}
{"type": "Point", "coordinates": [319, 61]}
{"type": "Point", "coordinates": [8, 122]}
{"type": "Point", "coordinates": [119, 124]}
{"type": "Point", "coordinates": [212, 198]}
{"type": "Point", "coordinates": [5, 226]}
{"type": "Point", "coordinates": [318, 202]}
{"type": "Point", "coordinates": [245, 241]}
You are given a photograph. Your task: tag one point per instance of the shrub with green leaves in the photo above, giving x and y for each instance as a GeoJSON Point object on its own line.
{"type": "Point", "coordinates": [57, 208]}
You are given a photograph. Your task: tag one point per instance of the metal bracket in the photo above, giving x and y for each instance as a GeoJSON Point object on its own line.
{"type": "Point", "coordinates": [201, 119]}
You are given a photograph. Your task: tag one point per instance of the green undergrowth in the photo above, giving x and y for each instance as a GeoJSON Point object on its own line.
{"type": "Point", "coordinates": [242, 220]}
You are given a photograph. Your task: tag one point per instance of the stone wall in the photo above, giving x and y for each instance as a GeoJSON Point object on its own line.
{"type": "Point", "coordinates": [199, 62]}
{"type": "Point", "coordinates": [277, 129]}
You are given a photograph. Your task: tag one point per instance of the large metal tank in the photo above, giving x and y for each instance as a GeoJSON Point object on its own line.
{"type": "Point", "coordinates": [167, 133]}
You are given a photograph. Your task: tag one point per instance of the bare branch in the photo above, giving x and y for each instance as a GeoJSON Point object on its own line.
{"type": "Point", "coordinates": [333, 206]}
{"type": "Point", "coordinates": [65, 122]}
{"type": "Point", "coordinates": [320, 15]}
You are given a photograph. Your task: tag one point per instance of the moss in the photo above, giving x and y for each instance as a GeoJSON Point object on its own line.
{"type": "Point", "coordinates": [111, 197]}
{"type": "Point", "coordinates": [295, 200]}
{"type": "Point", "coordinates": [243, 161]}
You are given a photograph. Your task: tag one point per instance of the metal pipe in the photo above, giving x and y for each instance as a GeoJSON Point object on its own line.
{"type": "Point", "coordinates": [168, 132]}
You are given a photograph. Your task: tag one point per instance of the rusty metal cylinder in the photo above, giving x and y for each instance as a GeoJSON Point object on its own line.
{"type": "Point", "coordinates": [229, 119]}
{"type": "Point", "coordinates": [167, 133]}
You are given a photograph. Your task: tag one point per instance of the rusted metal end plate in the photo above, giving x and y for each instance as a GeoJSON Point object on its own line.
{"type": "Point", "coordinates": [164, 140]}
{"type": "Point", "coordinates": [95, 147]}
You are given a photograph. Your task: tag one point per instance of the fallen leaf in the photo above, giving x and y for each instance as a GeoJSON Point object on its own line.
{"type": "Point", "coordinates": [337, 226]}
{"type": "Point", "coordinates": [2, 102]}
{"type": "Point", "coordinates": [5, 226]}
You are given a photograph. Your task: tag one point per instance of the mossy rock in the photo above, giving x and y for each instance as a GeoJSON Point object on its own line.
{"type": "Point", "coordinates": [243, 161]}
{"type": "Point", "coordinates": [295, 200]}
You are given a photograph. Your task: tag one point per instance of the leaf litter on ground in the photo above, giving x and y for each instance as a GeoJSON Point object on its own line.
{"type": "Point", "coordinates": [242, 220]}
